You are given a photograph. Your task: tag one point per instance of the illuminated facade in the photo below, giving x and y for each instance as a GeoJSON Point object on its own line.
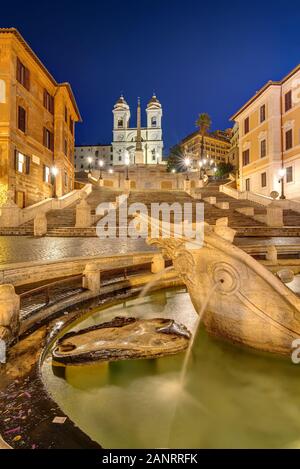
{"type": "Point", "coordinates": [269, 138]}
{"type": "Point", "coordinates": [125, 137]}
{"type": "Point", "coordinates": [37, 125]}
{"type": "Point", "coordinates": [216, 146]}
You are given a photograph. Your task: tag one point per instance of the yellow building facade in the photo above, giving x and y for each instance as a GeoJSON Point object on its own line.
{"type": "Point", "coordinates": [37, 125]}
{"type": "Point", "coordinates": [216, 147]}
{"type": "Point", "coordinates": [269, 138]}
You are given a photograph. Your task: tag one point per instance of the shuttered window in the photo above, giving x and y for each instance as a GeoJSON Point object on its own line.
{"type": "Point", "coordinates": [288, 139]}
{"type": "Point", "coordinates": [48, 139]}
{"type": "Point", "coordinates": [246, 125]}
{"type": "Point", "coordinates": [263, 148]}
{"type": "Point", "coordinates": [23, 74]}
{"type": "Point", "coordinates": [48, 102]}
{"type": "Point", "coordinates": [263, 179]}
{"type": "Point", "coordinates": [246, 157]}
{"type": "Point", "coordinates": [262, 113]}
{"type": "Point", "coordinates": [288, 100]}
{"type": "Point", "coordinates": [21, 119]}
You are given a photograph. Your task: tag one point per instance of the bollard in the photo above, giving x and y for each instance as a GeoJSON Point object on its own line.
{"type": "Point", "coordinates": [91, 279]}
{"type": "Point", "coordinates": [9, 313]}
{"type": "Point", "coordinates": [158, 264]}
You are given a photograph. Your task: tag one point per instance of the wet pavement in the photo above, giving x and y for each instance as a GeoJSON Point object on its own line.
{"type": "Point", "coordinates": [27, 249]}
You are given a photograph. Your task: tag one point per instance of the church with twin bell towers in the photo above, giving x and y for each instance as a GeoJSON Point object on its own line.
{"type": "Point", "coordinates": [137, 145]}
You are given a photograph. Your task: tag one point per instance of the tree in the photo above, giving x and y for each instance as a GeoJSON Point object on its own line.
{"type": "Point", "coordinates": [204, 123]}
{"type": "Point", "coordinates": [175, 159]}
{"type": "Point", "coordinates": [223, 169]}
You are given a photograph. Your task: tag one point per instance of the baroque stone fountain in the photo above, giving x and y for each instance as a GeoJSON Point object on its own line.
{"type": "Point", "coordinates": [250, 305]}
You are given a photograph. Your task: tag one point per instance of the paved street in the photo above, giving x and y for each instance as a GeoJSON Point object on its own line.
{"type": "Point", "coordinates": [26, 249]}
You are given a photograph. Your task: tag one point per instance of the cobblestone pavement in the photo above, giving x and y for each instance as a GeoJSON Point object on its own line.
{"type": "Point", "coordinates": [26, 249]}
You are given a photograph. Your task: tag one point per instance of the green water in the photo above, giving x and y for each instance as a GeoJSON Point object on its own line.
{"type": "Point", "coordinates": [233, 397]}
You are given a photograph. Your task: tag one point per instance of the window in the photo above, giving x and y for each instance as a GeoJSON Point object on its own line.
{"type": "Point", "coordinates": [23, 74]}
{"type": "Point", "coordinates": [288, 100]}
{"type": "Point", "coordinates": [262, 113]}
{"type": "Point", "coordinates": [246, 157]}
{"type": "Point", "coordinates": [71, 126]}
{"type": "Point", "coordinates": [288, 139]}
{"type": "Point", "coordinates": [247, 184]}
{"type": "Point", "coordinates": [246, 125]}
{"type": "Point", "coordinates": [48, 102]}
{"type": "Point", "coordinates": [21, 118]}
{"type": "Point", "coordinates": [22, 163]}
{"type": "Point", "coordinates": [66, 147]}
{"type": "Point", "coordinates": [66, 178]}
{"type": "Point", "coordinates": [263, 148]}
{"type": "Point", "coordinates": [48, 140]}
{"type": "Point", "coordinates": [120, 122]}
{"type": "Point", "coordinates": [289, 174]}
{"type": "Point", "coordinates": [263, 179]}
{"type": "Point", "coordinates": [153, 122]}
{"type": "Point", "coordinates": [120, 158]}
{"type": "Point", "coordinates": [66, 115]}
{"type": "Point", "coordinates": [46, 174]}
{"type": "Point", "coordinates": [81, 166]}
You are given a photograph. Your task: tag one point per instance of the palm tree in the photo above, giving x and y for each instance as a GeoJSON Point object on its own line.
{"type": "Point", "coordinates": [204, 123]}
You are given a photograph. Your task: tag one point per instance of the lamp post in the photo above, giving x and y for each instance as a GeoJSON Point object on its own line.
{"type": "Point", "coordinates": [54, 173]}
{"type": "Point", "coordinates": [173, 170]}
{"type": "Point", "coordinates": [89, 160]}
{"type": "Point", "coordinates": [101, 166]}
{"type": "Point", "coordinates": [187, 163]}
{"type": "Point", "coordinates": [110, 170]}
{"type": "Point", "coordinates": [200, 163]}
{"type": "Point", "coordinates": [282, 173]}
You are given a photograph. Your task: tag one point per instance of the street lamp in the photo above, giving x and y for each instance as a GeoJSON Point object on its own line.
{"type": "Point", "coordinates": [89, 160]}
{"type": "Point", "coordinates": [127, 162]}
{"type": "Point", "coordinates": [101, 166]}
{"type": "Point", "coordinates": [110, 170]}
{"type": "Point", "coordinates": [173, 170]}
{"type": "Point", "coordinates": [282, 173]}
{"type": "Point", "coordinates": [54, 173]}
{"type": "Point", "coordinates": [200, 168]}
{"type": "Point", "coordinates": [187, 163]}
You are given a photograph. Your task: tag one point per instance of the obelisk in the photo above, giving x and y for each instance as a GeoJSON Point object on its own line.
{"type": "Point", "coordinates": [139, 155]}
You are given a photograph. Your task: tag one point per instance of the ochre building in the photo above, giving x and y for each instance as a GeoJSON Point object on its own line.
{"type": "Point", "coordinates": [37, 125]}
{"type": "Point", "coordinates": [269, 138]}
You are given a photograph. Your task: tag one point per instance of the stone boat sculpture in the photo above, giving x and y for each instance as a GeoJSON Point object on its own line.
{"type": "Point", "coordinates": [249, 305]}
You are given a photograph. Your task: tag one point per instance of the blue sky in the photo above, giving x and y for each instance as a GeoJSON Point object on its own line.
{"type": "Point", "coordinates": [197, 56]}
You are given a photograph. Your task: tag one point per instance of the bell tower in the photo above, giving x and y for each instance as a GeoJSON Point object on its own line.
{"type": "Point", "coordinates": [121, 113]}
{"type": "Point", "coordinates": [155, 143]}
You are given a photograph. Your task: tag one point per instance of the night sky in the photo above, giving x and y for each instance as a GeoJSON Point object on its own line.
{"type": "Point", "coordinates": [197, 56]}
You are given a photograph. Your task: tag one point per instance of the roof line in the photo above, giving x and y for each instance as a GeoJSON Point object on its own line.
{"type": "Point", "coordinates": [264, 88]}
{"type": "Point", "coordinates": [40, 63]}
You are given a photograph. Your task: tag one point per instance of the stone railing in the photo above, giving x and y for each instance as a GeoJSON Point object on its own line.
{"type": "Point", "coordinates": [13, 216]}
{"type": "Point", "coordinates": [245, 195]}
{"type": "Point", "coordinates": [29, 272]}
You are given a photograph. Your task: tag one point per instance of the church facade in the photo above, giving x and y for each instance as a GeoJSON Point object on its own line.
{"type": "Point", "coordinates": [137, 145]}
